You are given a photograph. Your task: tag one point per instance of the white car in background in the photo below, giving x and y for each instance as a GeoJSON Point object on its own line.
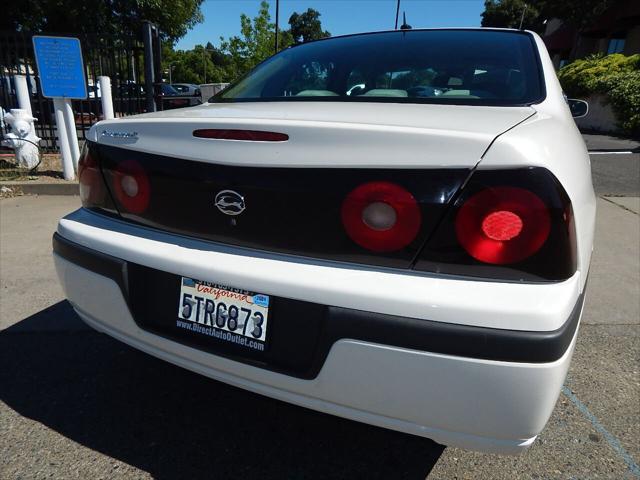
{"type": "Point", "coordinates": [412, 253]}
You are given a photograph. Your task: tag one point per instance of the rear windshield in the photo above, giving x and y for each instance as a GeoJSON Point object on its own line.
{"type": "Point", "coordinates": [472, 67]}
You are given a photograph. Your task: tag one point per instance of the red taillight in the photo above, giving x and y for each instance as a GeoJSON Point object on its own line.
{"type": "Point", "coordinates": [131, 186]}
{"type": "Point", "coordinates": [381, 216]}
{"type": "Point", "coordinates": [503, 225]}
{"type": "Point", "coordinates": [90, 180]}
{"type": "Point", "coordinates": [246, 135]}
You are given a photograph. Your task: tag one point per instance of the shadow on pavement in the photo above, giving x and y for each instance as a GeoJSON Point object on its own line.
{"type": "Point", "coordinates": [176, 424]}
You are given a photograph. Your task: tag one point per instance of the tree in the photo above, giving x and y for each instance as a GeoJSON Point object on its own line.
{"type": "Point", "coordinates": [306, 26]}
{"type": "Point", "coordinates": [239, 54]}
{"type": "Point", "coordinates": [118, 18]}
{"type": "Point", "coordinates": [255, 44]}
{"type": "Point", "coordinates": [188, 66]}
{"type": "Point", "coordinates": [578, 13]}
{"type": "Point", "coordinates": [507, 13]}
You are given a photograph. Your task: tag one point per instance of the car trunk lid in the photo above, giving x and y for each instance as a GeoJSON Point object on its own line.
{"type": "Point", "coordinates": [321, 134]}
{"type": "Point", "coordinates": [294, 191]}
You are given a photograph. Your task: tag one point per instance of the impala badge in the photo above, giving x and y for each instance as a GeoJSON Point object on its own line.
{"type": "Point", "coordinates": [113, 134]}
{"type": "Point", "coordinates": [230, 202]}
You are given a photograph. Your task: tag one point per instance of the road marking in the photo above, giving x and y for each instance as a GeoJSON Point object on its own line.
{"type": "Point", "coordinates": [611, 440]}
{"type": "Point", "coordinates": [615, 152]}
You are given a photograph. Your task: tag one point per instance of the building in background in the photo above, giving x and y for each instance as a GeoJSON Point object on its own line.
{"type": "Point", "coordinates": [617, 30]}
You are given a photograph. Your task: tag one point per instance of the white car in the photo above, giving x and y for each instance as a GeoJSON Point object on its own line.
{"type": "Point", "coordinates": [415, 262]}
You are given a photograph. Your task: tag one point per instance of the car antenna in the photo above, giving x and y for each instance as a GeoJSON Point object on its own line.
{"type": "Point", "coordinates": [397, 13]}
{"type": "Point", "coordinates": [405, 25]}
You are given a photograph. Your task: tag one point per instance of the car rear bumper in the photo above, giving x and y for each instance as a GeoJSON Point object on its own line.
{"type": "Point", "coordinates": [481, 388]}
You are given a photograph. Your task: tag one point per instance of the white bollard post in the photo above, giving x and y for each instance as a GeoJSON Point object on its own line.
{"type": "Point", "coordinates": [22, 92]}
{"type": "Point", "coordinates": [105, 95]}
{"type": "Point", "coordinates": [63, 139]}
{"type": "Point", "coordinates": [72, 134]}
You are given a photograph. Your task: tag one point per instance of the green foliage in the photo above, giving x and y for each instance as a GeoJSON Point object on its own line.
{"type": "Point", "coordinates": [120, 18]}
{"type": "Point", "coordinates": [236, 55]}
{"type": "Point", "coordinates": [200, 65]}
{"type": "Point", "coordinates": [579, 13]}
{"type": "Point", "coordinates": [617, 76]}
{"type": "Point", "coordinates": [589, 75]}
{"type": "Point", "coordinates": [306, 26]}
{"type": "Point", "coordinates": [624, 94]}
{"type": "Point", "coordinates": [507, 13]}
{"type": "Point", "coordinates": [255, 43]}
{"type": "Point", "coordinates": [239, 54]}
{"type": "Point", "coordinates": [257, 38]}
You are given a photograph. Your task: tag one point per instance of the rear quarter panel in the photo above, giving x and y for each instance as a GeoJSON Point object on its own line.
{"type": "Point", "coordinates": [550, 139]}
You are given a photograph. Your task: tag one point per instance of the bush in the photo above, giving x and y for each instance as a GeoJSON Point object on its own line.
{"type": "Point", "coordinates": [616, 76]}
{"type": "Point", "coordinates": [624, 94]}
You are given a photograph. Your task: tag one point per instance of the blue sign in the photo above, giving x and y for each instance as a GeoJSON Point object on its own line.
{"type": "Point", "coordinates": [60, 67]}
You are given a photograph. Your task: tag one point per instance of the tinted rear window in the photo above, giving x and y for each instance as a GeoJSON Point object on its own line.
{"type": "Point", "coordinates": [476, 67]}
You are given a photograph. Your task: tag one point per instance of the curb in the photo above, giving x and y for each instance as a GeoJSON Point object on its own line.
{"type": "Point", "coordinates": [30, 188]}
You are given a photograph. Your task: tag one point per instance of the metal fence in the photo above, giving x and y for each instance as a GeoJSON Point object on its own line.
{"type": "Point", "coordinates": [122, 59]}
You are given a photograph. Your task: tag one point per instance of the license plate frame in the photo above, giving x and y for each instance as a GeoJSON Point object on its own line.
{"type": "Point", "coordinates": [230, 314]}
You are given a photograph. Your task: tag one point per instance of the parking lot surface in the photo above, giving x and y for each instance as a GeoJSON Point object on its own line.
{"type": "Point", "coordinates": [76, 404]}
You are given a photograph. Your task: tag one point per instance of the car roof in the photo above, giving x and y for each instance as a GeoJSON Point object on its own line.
{"type": "Point", "coordinates": [432, 29]}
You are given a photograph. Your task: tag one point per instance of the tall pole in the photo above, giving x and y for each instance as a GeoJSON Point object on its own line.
{"type": "Point", "coordinates": [522, 17]}
{"type": "Point", "coordinates": [204, 63]}
{"type": "Point", "coordinates": [22, 92]}
{"type": "Point", "coordinates": [149, 71]}
{"type": "Point", "coordinates": [277, 20]}
{"type": "Point", "coordinates": [72, 133]}
{"type": "Point", "coordinates": [63, 140]}
{"type": "Point", "coordinates": [397, 13]}
{"type": "Point", "coordinates": [105, 97]}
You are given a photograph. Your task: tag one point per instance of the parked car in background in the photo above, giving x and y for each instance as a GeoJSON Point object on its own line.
{"type": "Point", "coordinates": [168, 90]}
{"type": "Point", "coordinates": [170, 101]}
{"type": "Point", "coordinates": [188, 89]}
{"type": "Point", "coordinates": [411, 253]}
{"type": "Point", "coordinates": [132, 91]}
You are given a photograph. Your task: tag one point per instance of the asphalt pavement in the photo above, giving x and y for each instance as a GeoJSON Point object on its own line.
{"type": "Point", "coordinates": [616, 174]}
{"type": "Point", "coordinates": [609, 143]}
{"type": "Point", "coordinates": [77, 404]}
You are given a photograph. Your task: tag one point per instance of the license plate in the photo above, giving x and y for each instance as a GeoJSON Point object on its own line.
{"type": "Point", "coordinates": [229, 314]}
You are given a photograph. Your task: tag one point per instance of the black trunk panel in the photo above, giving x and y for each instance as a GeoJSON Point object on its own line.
{"type": "Point", "coordinates": [288, 210]}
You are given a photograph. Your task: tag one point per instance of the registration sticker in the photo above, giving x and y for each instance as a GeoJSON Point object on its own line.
{"type": "Point", "coordinates": [226, 313]}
